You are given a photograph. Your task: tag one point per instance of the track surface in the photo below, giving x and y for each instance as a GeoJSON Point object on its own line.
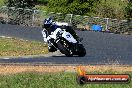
{"type": "Point", "coordinates": [102, 48]}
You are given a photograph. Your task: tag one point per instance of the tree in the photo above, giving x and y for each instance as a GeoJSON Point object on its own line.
{"type": "Point", "coordinates": [129, 10]}
{"type": "Point", "coordinates": [21, 3]}
{"type": "Point", "coordinates": [42, 2]}
{"type": "Point", "coordinates": [80, 7]}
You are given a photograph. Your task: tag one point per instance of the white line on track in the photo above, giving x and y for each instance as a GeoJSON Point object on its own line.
{"type": "Point", "coordinates": [5, 37]}
{"type": "Point", "coordinates": [6, 58]}
{"type": "Point", "coordinates": [57, 53]}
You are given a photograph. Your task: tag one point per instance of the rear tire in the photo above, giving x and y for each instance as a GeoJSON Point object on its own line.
{"type": "Point", "coordinates": [64, 50]}
{"type": "Point", "coordinates": [82, 51]}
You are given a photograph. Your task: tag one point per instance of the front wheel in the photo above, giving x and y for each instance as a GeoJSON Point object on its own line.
{"type": "Point", "coordinates": [63, 49]}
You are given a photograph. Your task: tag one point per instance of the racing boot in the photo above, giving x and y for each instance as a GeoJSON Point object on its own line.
{"type": "Point", "coordinates": [45, 35]}
{"type": "Point", "coordinates": [51, 48]}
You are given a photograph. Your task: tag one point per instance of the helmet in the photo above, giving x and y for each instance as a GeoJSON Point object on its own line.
{"type": "Point", "coordinates": [47, 23]}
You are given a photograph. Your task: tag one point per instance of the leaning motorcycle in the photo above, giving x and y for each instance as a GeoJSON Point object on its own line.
{"type": "Point", "coordinates": [67, 43]}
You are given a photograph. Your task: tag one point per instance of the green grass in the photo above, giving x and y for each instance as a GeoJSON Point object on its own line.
{"type": "Point", "coordinates": [50, 80]}
{"type": "Point", "coordinates": [17, 47]}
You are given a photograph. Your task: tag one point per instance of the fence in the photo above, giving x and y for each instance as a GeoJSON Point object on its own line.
{"type": "Point", "coordinates": [30, 17]}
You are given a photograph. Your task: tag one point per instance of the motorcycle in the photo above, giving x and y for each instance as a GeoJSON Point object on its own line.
{"type": "Point", "coordinates": [67, 43]}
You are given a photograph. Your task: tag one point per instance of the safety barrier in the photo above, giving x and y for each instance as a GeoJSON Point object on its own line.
{"type": "Point", "coordinates": [31, 17]}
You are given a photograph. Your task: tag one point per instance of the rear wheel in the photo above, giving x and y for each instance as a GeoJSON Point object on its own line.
{"type": "Point", "coordinates": [82, 51]}
{"type": "Point", "coordinates": [63, 49]}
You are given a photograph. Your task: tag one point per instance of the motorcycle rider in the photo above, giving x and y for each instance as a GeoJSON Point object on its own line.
{"type": "Point", "coordinates": [49, 27]}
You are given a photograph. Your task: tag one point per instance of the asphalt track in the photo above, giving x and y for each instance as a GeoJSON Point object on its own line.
{"type": "Point", "coordinates": [102, 48]}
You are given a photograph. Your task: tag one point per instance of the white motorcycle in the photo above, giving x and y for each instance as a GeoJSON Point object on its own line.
{"type": "Point", "coordinates": [69, 44]}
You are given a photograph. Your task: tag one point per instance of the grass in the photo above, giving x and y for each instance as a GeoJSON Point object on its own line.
{"type": "Point", "coordinates": [50, 80]}
{"type": "Point", "coordinates": [56, 76]}
{"type": "Point", "coordinates": [18, 47]}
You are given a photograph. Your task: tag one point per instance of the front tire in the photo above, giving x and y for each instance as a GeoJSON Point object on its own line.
{"type": "Point", "coordinates": [64, 49]}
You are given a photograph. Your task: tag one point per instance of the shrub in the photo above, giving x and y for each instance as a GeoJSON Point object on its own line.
{"type": "Point", "coordinates": [80, 7]}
